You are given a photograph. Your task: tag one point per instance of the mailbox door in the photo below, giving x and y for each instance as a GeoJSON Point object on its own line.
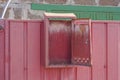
{"type": "Point", "coordinates": [81, 42]}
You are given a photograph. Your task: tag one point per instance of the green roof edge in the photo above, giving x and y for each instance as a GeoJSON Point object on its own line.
{"type": "Point", "coordinates": [58, 7]}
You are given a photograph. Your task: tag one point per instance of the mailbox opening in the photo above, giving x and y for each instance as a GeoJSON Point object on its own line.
{"type": "Point", "coordinates": [59, 42]}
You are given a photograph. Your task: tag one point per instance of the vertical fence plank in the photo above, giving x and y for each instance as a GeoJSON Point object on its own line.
{"type": "Point", "coordinates": [33, 45]}
{"type": "Point", "coordinates": [7, 50]}
{"type": "Point", "coordinates": [99, 51]}
{"type": "Point", "coordinates": [119, 52]}
{"type": "Point", "coordinates": [2, 57]}
{"type": "Point", "coordinates": [112, 51]}
{"type": "Point", "coordinates": [16, 51]}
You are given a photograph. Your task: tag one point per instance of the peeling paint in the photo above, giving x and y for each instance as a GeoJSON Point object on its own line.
{"type": "Point", "coordinates": [59, 26]}
{"type": "Point", "coordinates": [81, 29]}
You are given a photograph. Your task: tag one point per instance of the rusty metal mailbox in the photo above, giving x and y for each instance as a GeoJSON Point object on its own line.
{"type": "Point", "coordinates": [67, 41]}
{"type": "Point", "coordinates": [81, 42]}
{"type": "Point", "coordinates": [58, 39]}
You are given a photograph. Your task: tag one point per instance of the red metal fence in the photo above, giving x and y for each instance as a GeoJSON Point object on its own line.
{"type": "Point", "coordinates": [21, 56]}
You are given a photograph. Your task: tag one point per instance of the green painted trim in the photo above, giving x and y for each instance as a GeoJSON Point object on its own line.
{"type": "Point", "coordinates": [58, 7]}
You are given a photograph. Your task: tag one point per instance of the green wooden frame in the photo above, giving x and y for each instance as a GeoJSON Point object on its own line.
{"type": "Point", "coordinates": [93, 12]}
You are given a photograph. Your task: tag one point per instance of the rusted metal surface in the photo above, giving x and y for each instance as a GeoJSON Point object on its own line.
{"type": "Point", "coordinates": [60, 42]}
{"type": "Point", "coordinates": [25, 49]}
{"type": "Point", "coordinates": [58, 39]}
{"type": "Point", "coordinates": [81, 39]}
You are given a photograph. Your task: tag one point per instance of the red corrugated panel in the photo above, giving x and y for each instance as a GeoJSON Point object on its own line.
{"type": "Point", "coordinates": [112, 54]}
{"type": "Point", "coordinates": [118, 53]}
{"type": "Point", "coordinates": [2, 55]}
{"type": "Point", "coordinates": [17, 51]}
{"type": "Point", "coordinates": [33, 50]}
{"type": "Point", "coordinates": [99, 51]}
{"type": "Point", "coordinates": [24, 52]}
{"type": "Point", "coordinates": [2, 51]}
{"type": "Point", "coordinates": [24, 45]}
